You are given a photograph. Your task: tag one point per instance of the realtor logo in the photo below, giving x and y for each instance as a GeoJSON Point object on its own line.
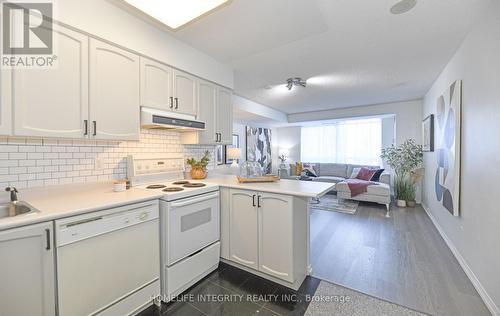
{"type": "Point", "coordinates": [27, 28]}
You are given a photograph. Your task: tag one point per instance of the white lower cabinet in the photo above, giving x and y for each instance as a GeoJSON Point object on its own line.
{"type": "Point", "coordinates": [261, 232]}
{"type": "Point", "coordinates": [244, 232]}
{"type": "Point", "coordinates": [27, 271]}
{"type": "Point", "coordinates": [276, 235]}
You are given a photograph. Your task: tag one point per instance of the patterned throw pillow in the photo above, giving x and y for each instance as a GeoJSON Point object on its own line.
{"type": "Point", "coordinates": [365, 174]}
{"type": "Point", "coordinates": [355, 172]}
{"type": "Point", "coordinates": [310, 172]}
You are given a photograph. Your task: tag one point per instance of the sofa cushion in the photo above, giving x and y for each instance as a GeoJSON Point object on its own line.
{"type": "Point", "coordinates": [374, 189]}
{"type": "Point", "coordinates": [354, 173]}
{"type": "Point", "coordinates": [333, 169]}
{"type": "Point", "coordinates": [365, 174]}
{"type": "Point", "coordinates": [351, 167]}
{"type": "Point", "coordinates": [329, 179]}
{"type": "Point", "coordinates": [376, 175]}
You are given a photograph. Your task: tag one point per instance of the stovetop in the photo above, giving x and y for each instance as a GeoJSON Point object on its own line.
{"type": "Point", "coordinates": [164, 174]}
{"type": "Point", "coordinates": [178, 189]}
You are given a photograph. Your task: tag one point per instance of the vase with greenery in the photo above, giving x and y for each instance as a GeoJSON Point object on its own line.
{"type": "Point", "coordinates": [405, 160]}
{"type": "Point", "coordinates": [199, 167]}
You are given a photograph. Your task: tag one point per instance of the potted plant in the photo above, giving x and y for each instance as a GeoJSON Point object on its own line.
{"type": "Point", "coordinates": [404, 160]}
{"type": "Point", "coordinates": [282, 159]}
{"type": "Point", "coordinates": [199, 168]}
{"type": "Point", "coordinates": [415, 177]}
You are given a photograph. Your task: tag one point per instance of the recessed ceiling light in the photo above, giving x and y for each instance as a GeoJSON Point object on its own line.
{"type": "Point", "coordinates": [175, 13]}
{"type": "Point", "coordinates": [403, 6]}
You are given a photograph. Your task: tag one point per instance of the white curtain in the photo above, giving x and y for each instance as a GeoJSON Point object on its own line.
{"type": "Point", "coordinates": [352, 141]}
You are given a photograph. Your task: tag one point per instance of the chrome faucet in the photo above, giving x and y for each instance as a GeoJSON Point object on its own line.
{"type": "Point", "coordinates": [13, 194]}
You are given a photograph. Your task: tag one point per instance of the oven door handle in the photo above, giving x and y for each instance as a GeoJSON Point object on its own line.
{"type": "Point", "coordinates": [195, 200]}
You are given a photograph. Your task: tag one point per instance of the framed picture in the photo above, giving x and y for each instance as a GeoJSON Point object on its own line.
{"type": "Point", "coordinates": [259, 147]}
{"type": "Point", "coordinates": [220, 154]}
{"type": "Point", "coordinates": [428, 133]}
{"type": "Point", "coordinates": [235, 144]}
{"type": "Point", "coordinates": [448, 148]}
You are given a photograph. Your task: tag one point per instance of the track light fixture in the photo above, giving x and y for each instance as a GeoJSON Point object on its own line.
{"type": "Point", "coordinates": [291, 82]}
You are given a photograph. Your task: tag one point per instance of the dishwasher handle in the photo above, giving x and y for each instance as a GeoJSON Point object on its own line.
{"type": "Point", "coordinates": [195, 200]}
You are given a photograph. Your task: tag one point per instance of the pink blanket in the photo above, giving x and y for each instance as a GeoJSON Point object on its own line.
{"type": "Point", "coordinates": [357, 186]}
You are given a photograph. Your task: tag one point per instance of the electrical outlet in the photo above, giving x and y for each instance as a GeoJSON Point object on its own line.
{"type": "Point", "coordinates": [99, 163]}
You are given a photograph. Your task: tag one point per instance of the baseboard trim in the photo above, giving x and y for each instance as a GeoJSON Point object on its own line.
{"type": "Point", "coordinates": [488, 301]}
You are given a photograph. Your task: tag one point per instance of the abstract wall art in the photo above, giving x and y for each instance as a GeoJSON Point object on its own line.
{"type": "Point", "coordinates": [259, 147]}
{"type": "Point", "coordinates": [448, 132]}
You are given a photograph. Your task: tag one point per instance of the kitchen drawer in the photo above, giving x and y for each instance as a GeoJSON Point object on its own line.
{"type": "Point", "coordinates": [190, 270]}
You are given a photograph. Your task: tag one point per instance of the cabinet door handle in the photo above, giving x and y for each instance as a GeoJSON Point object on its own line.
{"type": "Point", "coordinates": [220, 137]}
{"type": "Point", "coordinates": [95, 128]}
{"type": "Point", "coordinates": [171, 102]}
{"type": "Point", "coordinates": [258, 200]}
{"type": "Point", "coordinates": [253, 200]}
{"type": "Point", "coordinates": [47, 239]}
{"type": "Point", "coordinates": [85, 127]}
{"type": "Point", "coordinates": [176, 103]}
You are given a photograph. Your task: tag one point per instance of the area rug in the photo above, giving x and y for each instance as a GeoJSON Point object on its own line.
{"type": "Point", "coordinates": [330, 203]}
{"type": "Point", "coordinates": [331, 299]}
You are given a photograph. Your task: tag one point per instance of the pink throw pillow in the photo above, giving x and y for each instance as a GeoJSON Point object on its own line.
{"type": "Point", "coordinates": [365, 174]}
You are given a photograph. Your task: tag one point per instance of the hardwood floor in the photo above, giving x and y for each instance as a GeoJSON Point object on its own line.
{"type": "Point", "coordinates": [402, 259]}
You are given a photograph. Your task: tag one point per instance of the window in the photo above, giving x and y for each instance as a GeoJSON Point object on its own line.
{"type": "Point", "coordinates": [353, 142]}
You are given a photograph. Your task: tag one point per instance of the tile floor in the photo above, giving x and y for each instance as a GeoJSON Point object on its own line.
{"type": "Point", "coordinates": [231, 291]}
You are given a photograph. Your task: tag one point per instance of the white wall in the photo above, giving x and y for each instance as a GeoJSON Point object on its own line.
{"type": "Point", "coordinates": [475, 234]}
{"type": "Point", "coordinates": [105, 19]}
{"type": "Point", "coordinates": [408, 117]}
{"type": "Point", "coordinates": [27, 163]}
{"type": "Point", "coordinates": [289, 139]}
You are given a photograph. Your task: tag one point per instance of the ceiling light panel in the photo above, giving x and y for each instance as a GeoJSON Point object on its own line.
{"type": "Point", "coordinates": [175, 13]}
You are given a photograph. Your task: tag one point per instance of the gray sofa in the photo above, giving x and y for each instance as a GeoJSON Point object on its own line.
{"type": "Point", "coordinates": [337, 173]}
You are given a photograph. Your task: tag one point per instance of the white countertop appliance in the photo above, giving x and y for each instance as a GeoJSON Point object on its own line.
{"type": "Point", "coordinates": [189, 220]}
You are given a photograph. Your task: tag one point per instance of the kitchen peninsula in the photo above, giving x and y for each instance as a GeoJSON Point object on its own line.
{"type": "Point", "coordinates": [265, 227]}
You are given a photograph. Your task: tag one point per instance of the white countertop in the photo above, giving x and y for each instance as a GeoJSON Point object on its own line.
{"type": "Point", "coordinates": [308, 189]}
{"type": "Point", "coordinates": [61, 201]}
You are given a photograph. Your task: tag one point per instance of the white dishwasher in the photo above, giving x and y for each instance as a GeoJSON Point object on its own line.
{"type": "Point", "coordinates": [108, 262]}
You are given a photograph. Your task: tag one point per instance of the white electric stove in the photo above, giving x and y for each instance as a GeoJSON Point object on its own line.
{"type": "Point", "coordinates": [189, 220]}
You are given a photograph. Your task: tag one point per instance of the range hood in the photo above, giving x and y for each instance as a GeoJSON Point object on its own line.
{"type": "Point", "coordinates": [157, 119]}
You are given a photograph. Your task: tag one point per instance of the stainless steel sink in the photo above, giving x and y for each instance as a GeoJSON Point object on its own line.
{"type": "Point", "coordinates": [15, 209]}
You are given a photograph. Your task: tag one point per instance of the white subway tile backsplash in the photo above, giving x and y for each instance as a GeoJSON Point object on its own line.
{"type": "Point", "coordinates": [26, 163]}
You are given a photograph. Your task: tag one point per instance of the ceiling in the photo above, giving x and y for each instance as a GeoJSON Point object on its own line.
{"type": "Point", "coordinates": [247, 118]}
{"type": "Point", "coordinates": [354, 51]}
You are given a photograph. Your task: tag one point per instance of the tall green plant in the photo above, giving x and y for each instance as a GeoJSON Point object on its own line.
{"type": "Point", "coordinates": [404, 159]}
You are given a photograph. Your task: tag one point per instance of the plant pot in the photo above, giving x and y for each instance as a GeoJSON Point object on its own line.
{"type": "Point", "coordinates": [411, 203]}
{"type": "Point", "coordinates": [401, 203]}
{"type": "Point", "coordinates": [198, 173]}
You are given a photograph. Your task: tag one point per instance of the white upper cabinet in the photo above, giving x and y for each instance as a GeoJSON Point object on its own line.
{"type": "Point", "coordinates": [225, 116]}
{"type": "Point", "coordinates": [27, 281]}
{"type": "Point", "coordinates": [114, 92]}
{"type": "Point", "coordinates": [5, 102]}
{"type": "Point", "coordinates": [53, 102]}
{"type": "Point", "coordinates": [207, 104]}
{"type": "Point", "coordinates": [185, 93]}
{"type": "Point", "coordinates": [156, 85]}
{"type": "Point", "coordinates": [243, 229]}
{"type": "Point", "coordinates": [215, 108]}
